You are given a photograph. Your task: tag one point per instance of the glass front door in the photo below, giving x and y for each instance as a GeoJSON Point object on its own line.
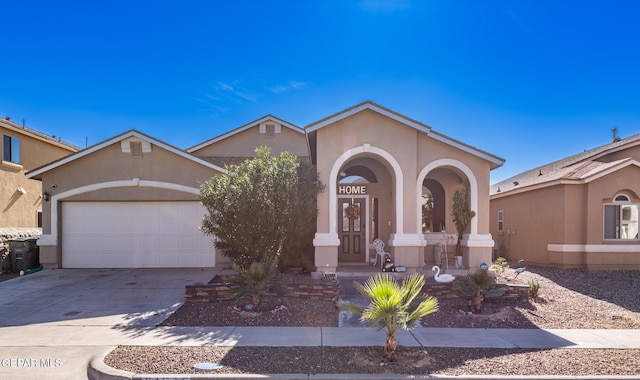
{"type": "Point", "coordinates": [352, 229]}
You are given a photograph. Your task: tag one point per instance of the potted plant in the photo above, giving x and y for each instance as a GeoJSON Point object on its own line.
{"type": "Point", "coordinates": [462, 215]}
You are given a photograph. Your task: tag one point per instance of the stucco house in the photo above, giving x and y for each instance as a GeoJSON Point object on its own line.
{"type": "Point", "coordinates": [578, 212]}
{"type": "Point", "coordinates": [24, 149]}
{"type": "Point", "coordinates": [131, 201]}
{"type": "Point", "coordinates": [21, 150]}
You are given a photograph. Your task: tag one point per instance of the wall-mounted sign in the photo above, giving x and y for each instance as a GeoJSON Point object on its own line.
{"type": "Point", "coordinates": [352, 189]}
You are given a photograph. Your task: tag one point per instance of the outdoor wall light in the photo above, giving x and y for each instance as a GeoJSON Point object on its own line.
{"type": "Point", "coordinates": [45, 196]}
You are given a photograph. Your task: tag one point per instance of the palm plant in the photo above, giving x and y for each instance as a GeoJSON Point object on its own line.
{"type": "Point", "coordinates": [474, 285]}
{"type": "Point", "coordinates": [393, 305]}
{"type": "Point", "coordinates": [260, 278]}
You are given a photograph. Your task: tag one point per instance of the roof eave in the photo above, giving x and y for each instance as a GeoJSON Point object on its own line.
{"type": "Point", "coordinates": [37, 172]}
{"type": "Point", "coordinates": [243, 128]}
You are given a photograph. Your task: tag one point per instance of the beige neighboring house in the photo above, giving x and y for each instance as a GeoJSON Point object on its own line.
{"type": "Point", "coordinates": [23, 149]}
{"type": "Point", "coordinates": [131, 201]}
{"type": "Point", "coordinates": [578, 212]}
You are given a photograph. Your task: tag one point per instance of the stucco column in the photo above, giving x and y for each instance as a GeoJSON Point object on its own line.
{"type": "Point", "coordinates": [479, 250]}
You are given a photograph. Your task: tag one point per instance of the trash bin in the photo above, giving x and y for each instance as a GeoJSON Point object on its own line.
{"type": "Point", "coordinates": [5, 260]}
{"type": "Point", "coordinates": [25, 254]}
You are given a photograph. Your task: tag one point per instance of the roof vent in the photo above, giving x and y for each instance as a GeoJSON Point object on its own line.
{"type": "Point", "coordinates": [516, 183]}
{"type": "Point", "coordinates": [615, 138]}
{"type": "Point", "coordinates": [540, 172]}
{"type": "Point", "coordinates": [498, 189]}
{"type": "Point", "coordinates": [135, 146]}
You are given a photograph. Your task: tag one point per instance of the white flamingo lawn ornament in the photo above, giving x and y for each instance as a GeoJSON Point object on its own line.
{"type": "Point", "coordinates": [444, 278]}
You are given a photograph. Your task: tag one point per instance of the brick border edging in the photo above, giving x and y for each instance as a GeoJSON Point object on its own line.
{"type": "Point", "coordinates": [315, 290]}
{"type": "Point", "coordinates": [328, 291]}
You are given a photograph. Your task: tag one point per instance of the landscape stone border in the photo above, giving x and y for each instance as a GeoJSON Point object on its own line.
{"type": "Point", "coordinates": [328, 290]}
{"type": "Point", "coordinates": [213, 292]}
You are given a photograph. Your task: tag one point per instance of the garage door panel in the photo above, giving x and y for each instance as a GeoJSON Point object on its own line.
{"type": "Point", "coordinates": [134, 235]}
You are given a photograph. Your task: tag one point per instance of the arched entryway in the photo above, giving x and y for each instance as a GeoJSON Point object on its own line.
{"type": "Point", "coordinates": [383, 164]}
{"type": "Point", "coordinates": [364, 207]}
{"type": "Point", "coordinates": [441, 178]}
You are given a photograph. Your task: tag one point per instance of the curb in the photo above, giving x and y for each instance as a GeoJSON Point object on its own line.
{"type": "Point", "coordinates": [98, 370]}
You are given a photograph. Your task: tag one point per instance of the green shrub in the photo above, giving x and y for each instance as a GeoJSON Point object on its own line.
{"type": "Point", "coordinates": [534, 288]}
{"type": "Point", "coordinates": [500, 265]}
{"type": "Point", "coordinates": [260, 278]}
{"type": "Point", "coordinates": [264, 207]}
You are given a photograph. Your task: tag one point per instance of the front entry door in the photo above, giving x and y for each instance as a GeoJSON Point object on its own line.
{"type": "Point", "coordinates": [352, 227]}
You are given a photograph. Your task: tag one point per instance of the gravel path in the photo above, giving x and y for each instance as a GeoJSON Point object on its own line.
{"type": "Point", "coordinates": [568, 299]}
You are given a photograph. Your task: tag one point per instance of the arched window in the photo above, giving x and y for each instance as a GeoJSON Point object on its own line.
{"type": "Point", "coordinates": [621, 219]}
{"type": "Point", "coordinates": [357, 174]}
{"type": "Point", "coordinates": [433, 203]}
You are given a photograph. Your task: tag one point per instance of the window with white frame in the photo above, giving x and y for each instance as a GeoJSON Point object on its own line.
{"type": "Point", "coordinates": [621, 219]}
{"type": "Point", "coordinates": [11, 149]}
{"type": "Point", "coordinates": [500, 221]}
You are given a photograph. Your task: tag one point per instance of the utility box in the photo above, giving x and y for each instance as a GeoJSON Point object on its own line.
{"type": "Point", "coordinates": [25, 254]}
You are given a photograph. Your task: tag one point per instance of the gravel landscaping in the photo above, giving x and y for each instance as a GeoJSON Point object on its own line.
{"type": "Point", "coordinates": [568, 299]}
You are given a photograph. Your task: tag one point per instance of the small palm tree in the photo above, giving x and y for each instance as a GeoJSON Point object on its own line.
{"type": "Point", "coordinates": [260, 278]}
{"type": "Point", "coordinates": [474, 285]}
{"type": "Point", "coordinates": [392, 305]}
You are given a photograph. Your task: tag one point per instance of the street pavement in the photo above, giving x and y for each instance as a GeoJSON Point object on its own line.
{"type": "Point", "coordinates": [53, 323]}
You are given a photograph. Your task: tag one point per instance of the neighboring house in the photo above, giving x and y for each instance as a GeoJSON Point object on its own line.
{"type": "Point", "coordinates": [23, 149]}
{"type": "Point", "coordinates": [579, 212]}
{"type": "Point", "coordinates": [131, 201]}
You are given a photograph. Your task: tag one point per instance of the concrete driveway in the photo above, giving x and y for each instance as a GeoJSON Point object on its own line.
{"type": "Point", "coordinates": [52, 322]}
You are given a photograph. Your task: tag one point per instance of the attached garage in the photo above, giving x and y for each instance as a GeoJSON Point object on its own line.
{"type": "Point", "coordinates": [134, 235]}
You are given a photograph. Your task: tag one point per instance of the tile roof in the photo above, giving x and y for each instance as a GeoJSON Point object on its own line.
{"type": "Point", "coordinates": [577, 167]}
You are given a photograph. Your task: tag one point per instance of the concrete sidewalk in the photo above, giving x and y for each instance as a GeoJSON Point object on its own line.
{"type": "Point", "coordinates": [45, 335]}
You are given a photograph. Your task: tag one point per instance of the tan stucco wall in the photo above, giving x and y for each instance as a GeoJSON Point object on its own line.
{"type": "Point", "coordinates": [19, 210]}
{"type": "Point", "coordinates": [413, 150]}
{"type": "Point", "coordinates": [538, 219]}
{"type": "Point", "coordinates": [111, 164]}
{"type": "Point", "coordinates": [370, 128]}
{"type": "Point", "coordinates": [244, 144]}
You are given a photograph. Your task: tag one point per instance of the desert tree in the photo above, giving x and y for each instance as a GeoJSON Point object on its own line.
{"type": "Point", "coordinates": [263, 207]}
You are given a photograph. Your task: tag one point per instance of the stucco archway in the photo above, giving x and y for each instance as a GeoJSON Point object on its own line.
{"type": "Point", "coordinates": [473, 188]}
{"type": "Point", "coordinates": [396, 171]}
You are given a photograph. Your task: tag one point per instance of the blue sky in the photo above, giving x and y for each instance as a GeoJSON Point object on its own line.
{"type": "Point", "coordinates": [529, 81]}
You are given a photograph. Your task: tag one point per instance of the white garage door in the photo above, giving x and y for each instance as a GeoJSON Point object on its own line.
{"type": "Point", "coordinates": [134, 235]}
